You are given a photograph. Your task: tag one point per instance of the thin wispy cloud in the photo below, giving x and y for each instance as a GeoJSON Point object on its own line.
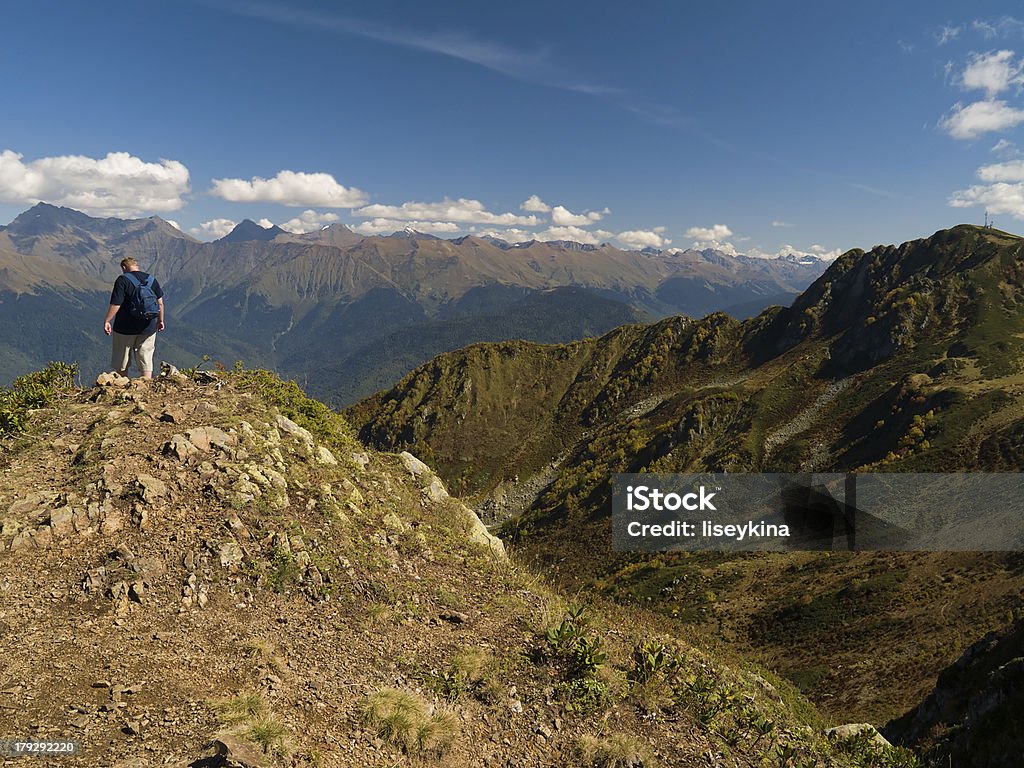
{"type": "Point", "coordinates": [947, 34]}
{"type": "Point", "coordinates": [532, 66]}
{"type": "Point", "coordinates": [872, 190]}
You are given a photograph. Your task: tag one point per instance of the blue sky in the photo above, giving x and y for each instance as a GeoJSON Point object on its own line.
{"type": "Point", "coordinates": [750, 125]}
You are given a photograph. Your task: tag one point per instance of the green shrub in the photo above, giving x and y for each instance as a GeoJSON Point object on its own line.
{"type": "Point", "coordinates": [326, 425]}
{"type": "Point", "coordinates": [31, 392]}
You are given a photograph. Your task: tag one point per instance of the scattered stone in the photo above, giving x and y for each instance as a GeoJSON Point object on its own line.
{"type": "Point", "coordinates": [207, 438]}
{"type": "Point", "coordinates": [152, 488]}
{"type": "Point", "coordinates": [231, 554]}
{"type": "Point", "coordinates": [455, 617]}
{"type": "Point", "coordinates": [180, 447]}
{"type": "Point", "coordinates": [29, 503]}
{"type": "Point", "coordinates": [300, 434]}
{"type": "Point", "coordinates": [362, 459]}
{"type": "Point", "coordinates": [236, 753]}
{"type": "Point", "coordinates": [137, 592]}
{"type": "Point", "coordinates": [42, 537]}
{"type": "Point", "coordinates": [113, 522]}
{"type": "Point", "coordinates": [61, 521]}
{"type": "Point", "coordinates": [112, 380]}
{"type": "Point", "coordinates": [172, 414]}
{"type": "Point", "coordinates": [324, 456]}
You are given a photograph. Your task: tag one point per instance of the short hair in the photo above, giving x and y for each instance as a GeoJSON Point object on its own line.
{"type": "Point", "coordinates": [128, 262]}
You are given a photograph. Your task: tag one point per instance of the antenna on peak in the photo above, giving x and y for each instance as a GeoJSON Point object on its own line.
{"type": "Point", "coordinates": [989, 223]}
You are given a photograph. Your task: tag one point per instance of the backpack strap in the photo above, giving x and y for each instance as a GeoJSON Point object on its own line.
{"type": "Point", "coordinates": [135, 281]}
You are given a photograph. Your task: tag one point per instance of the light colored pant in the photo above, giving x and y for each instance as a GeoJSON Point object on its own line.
{"type": "Point", "coordinates": [126, 345]}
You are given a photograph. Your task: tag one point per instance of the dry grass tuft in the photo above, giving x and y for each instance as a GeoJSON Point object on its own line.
{"type": "Point", "coordinates": [409, 722]}
{"type": "Point", "coordinates": [620, 750]}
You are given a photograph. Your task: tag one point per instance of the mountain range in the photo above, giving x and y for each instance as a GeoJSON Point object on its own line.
{"type": "Point", "coordinates": [321, 306]}
{"type": "Point", "coordinates": [904, 358]}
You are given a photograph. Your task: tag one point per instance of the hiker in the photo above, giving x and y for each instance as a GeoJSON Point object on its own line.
{"type": "Point", "coordinates": [137, 311]}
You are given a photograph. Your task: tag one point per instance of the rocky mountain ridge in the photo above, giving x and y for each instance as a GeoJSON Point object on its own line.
{"type": "Point", "coordinates": [902, 358]}
{"type": "Point", "coordinates": [317, 305]}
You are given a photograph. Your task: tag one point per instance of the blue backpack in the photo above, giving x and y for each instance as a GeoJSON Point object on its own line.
{"type": "Point", "coordinates": [143, 303]}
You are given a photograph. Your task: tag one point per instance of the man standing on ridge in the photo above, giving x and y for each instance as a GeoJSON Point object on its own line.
{"type": "Point", "coordinates": [137, 311]}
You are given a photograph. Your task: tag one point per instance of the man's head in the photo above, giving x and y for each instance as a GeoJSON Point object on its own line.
{"type": "Point", "coordinates": [128, 264]}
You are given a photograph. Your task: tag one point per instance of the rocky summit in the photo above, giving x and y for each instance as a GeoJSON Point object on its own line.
{"type": "Point", "coordinates": [208, 570]}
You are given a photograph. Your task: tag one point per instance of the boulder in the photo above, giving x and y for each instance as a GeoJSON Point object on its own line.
{"type": "Point", "coordinates": [152, 488]}
{"type": "Point", "coordinates": [479, 534]}
{"type": "Point", "coordinates": [236, 753]}
{"type": "Point", "coordinates": [324, 456]}
{"type": "Point", "coordinates": [414, 465]}
{"type": "Point", "coordinates": [180, 447]}
{"type": "Point", "coordinates": [289, 427]}
{"type": "Point", "coordinates": [62, 521]}
{"type": "Point", "coordinates": [112, 380]}
{"type": "Point", "coordinates": [207, 438]}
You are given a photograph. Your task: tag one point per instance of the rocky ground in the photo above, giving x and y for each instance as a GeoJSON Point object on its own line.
{"type": "Point", "coordinates": [190, 577]}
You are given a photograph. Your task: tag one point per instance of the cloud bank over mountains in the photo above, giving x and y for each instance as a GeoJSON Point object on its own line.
{"type": "Point", "coordinates": [123, 185]}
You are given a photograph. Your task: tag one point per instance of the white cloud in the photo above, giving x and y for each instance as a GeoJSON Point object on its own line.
{"type": "Point", "coordinates": [307, 221]}
{"type": "Point", "coordinates": [1000, 27]}
{"type": "Point", "coordinates": [947, 34]}
{"type": "Point", "coordinates": [992, 72]}
{"type": "Point", "coordinates": [534, 204]}
{"type": "Point", "coordinates": [574, 233]}
{"type": "Point", "coordinates": [1005, 148]}
{"type": "Point", "coordinates": [174, 224]}
{"type": "Point", "coordinates": [987, 30]}
{"type": "Point", "coordinates": [214, 229]}
{"type": "Point", "coordinates": [462, 210]}
{"type": "Point", "coordinates": [716, 245]}
{"type": "Point", "coordinates": [716, 232]}
{"type": "Point", "coordinates": [265, 223]}
{"type": "Point", "coordinates": [996, 198]}
{"type": "Point", "coordinates": [116, 185]}
{"type": "Point", "coordinates": [643, 238]}
{"type": "Point", "coordinates": [1012, 170]}
{"type": "Point", "coordinates": [563, 217]}
{"type": "Point", "coordinates": [824, 253]}
{"type": "Point", "coordinates": [385, 226]}
{"type": "Point", "coordinates": [512, 235]}
{"type": "Point", "coordinates": [786, 224]}
{"type": "Point", "coordinates": [981, 117]}
{"type": "Point", "coordinates": [290, 188]}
